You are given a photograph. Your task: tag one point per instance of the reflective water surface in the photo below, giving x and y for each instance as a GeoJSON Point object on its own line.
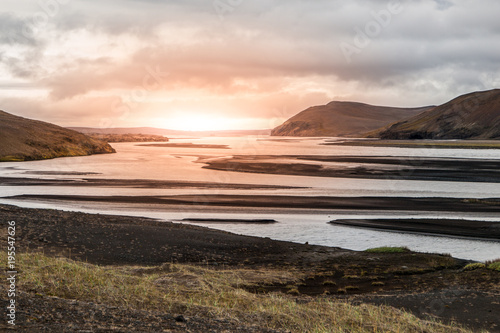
{"type": "Point", "coordinates": [180, 164]}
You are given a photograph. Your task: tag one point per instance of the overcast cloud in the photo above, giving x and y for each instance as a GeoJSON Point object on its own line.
{"type": "Point", "coordinates": [147, 63]}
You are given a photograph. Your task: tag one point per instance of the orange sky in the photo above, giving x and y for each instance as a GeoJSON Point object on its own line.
{"type": "Point", "coordinates": [198, 65]}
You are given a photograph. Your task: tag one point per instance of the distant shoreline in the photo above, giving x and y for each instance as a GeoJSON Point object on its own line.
{"type": "Point", "coordinates": [184, 145]}
{"type": "Point", "coordinates": [430, 144]}
{"type": "Point", "coordinates": [363, 167]}
{"type": "Point", "coordinates": [444, 227]}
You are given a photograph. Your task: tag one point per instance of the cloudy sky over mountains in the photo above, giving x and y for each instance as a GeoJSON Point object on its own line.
{"type": "Point", "coordinates": [237, 63]}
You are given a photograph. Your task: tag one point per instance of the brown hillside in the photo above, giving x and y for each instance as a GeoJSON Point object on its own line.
{"type": "Point", "coordinates": [471, 116]}
{"type": "Point", "coordinates": [342, 119]}
{"type": "Point", "coordinates": [24, 139]}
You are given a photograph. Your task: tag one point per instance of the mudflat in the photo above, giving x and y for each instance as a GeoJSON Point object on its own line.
{"type": "Point", "coordinates": [289, 202]}
{"type": "Point", "coordinates": [367, 167]}
{"type": "Point", "coordinates": [453, 227]}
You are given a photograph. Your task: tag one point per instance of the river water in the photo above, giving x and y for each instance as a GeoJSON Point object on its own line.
{"type": "Point", "coordinates": [297, 225]}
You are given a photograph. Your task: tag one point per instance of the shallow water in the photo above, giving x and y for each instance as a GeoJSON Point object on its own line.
{"type": "Point", "coordinates": [168, 163]}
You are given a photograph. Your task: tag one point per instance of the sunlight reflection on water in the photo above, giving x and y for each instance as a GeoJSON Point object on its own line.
{"type": "Point", "coordinates": [179, 164]}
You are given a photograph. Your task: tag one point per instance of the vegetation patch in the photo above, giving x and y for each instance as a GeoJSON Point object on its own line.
{"type": "Point", "coordinates": [474, 266]}
{"type": "Point", "coordinates": [494, 265]}
{"type": "Point", "coordinates": [378, 284]}
{"type": "Point", "coordinates": [387, 249]}
{"type": "Point", "coordinates": [202, 291]}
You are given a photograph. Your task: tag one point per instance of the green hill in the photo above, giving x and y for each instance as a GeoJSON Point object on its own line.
{"type": "Point", "coordinates": [24, 139]}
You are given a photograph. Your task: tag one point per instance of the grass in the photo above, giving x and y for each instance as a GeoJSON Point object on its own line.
{"type": "Point", "coordinates": [474, 266]}
{"type": "Point", "coordinates": [11, 159]}
{"type": "Point", "coordinates": [329, 283]}
{"type": "Point", "coordinates": [494, 265]}
{"type": "Point", "coordinates": [351, 288]}
{"type": "Point", "coordinates": [387, 249]}
{"type": "Point", "coordinates": [195, 290]}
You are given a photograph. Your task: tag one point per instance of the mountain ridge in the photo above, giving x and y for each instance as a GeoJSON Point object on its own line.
{"type": "Point", "coordinates": [343, 118]}
{"type": "Point", "coordinates": [474, 115]}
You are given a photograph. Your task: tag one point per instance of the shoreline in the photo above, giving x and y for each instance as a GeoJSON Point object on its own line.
{"type": "Point", "coordinates": [432, 144]}
{"type": "Point", "coordinates": [115, 241]}
{"type": "Point", "coordinates": [128, 183]}
{"type": "Point", "coordinates": [429, 204]}
{"type": "Point", "coordinates": [468, 229]}
{"type": "Point", "coordinates": [362, 167]}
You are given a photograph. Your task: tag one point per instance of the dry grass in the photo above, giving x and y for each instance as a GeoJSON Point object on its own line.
{"type": "Point", "coordinates": [194, 290]}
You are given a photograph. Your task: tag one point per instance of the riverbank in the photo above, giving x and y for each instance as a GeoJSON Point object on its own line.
{"type": "Point", "coordinates": [302, 273]}
{"type": "Point", "coordinates": [287, 202]}
{"type": "Point", "coordinates": [452, 227]}
{"type": "Point", "coordinates": [432, 144]}
{"type": "Point", "coordinates": [362, 167]}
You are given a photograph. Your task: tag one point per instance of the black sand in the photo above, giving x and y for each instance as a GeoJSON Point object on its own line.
{"type": "Point", "coordinates": [290, 202]}
{"type": "Point", "coordinates": [368, 167]}
{"type": "Point", "coordinates": [118, 240]}
{"type": "Point", "coordinates": [453, 227]}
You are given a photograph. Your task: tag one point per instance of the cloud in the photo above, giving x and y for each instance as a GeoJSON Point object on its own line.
{"type": "Point", "coordinates": [15, 30]}
{"type": "Point", "coordinates": [267, 53]}
{"type": "Point", "coordinates": [443, 4]}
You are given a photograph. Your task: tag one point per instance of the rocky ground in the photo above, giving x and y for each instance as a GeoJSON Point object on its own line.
{"type": "Point", "coordinates": [429, 285]}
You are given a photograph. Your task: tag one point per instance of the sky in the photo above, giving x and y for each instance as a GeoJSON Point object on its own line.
{"type": "Point", "coordinates": [237, 64]}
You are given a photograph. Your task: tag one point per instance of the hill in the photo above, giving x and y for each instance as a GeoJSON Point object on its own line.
{"type": "Point", "coordinates": [167, 132]}
{"type": "Point", "coordinates": [128, 137]}
{"type": "Point", "coordinates": [24, 139]}
{"type": "Point", "coordinates": [471, 116]}
{"type": "Point", "coordinates": [342, 119]}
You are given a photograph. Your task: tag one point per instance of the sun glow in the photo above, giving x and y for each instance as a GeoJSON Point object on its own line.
{"type": "Point", "coordinates": [199, 122]}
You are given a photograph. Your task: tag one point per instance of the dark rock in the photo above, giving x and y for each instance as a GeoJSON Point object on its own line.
{"type": "Point", "coordinates": [180, 319]}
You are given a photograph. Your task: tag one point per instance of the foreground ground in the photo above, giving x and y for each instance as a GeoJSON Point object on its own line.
{"type": "Point", "coordinates": [134, 274]}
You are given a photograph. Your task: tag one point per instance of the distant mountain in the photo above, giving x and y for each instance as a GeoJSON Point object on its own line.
{"type": "Point", "coordinates": [24, 139]}
{"type": "Point", "coordinates": [167, 132]}
{"type": "Point", "coordinates": [128, 137]}
{"type": "Point", "coordinates": [471, 116]}
{"type": "Point", "coordinates": [342, 119]}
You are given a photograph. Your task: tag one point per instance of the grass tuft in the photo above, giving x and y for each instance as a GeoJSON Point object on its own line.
{"type": "Point", "coordinates": [329, 283]}
{"type": "Point", "coordinates": [474, 266]}
{"type": "Point", "coordinates": [387, 249]}
{"type": "Point", "coordinates": [494, 264]}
